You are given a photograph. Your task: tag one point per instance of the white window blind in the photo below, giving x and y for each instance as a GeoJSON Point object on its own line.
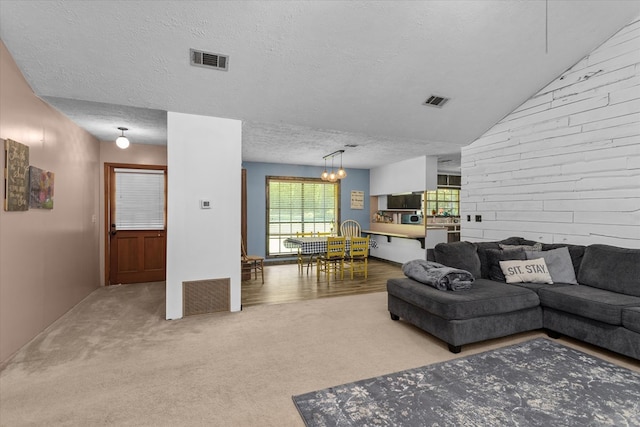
{"type": "Point", "coordinates": [139, 199]}
{"type": "Point", "coordinates": [298, 205]}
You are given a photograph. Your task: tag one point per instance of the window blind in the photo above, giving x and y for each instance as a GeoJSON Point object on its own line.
{"type": "Point", "coordinates": [139, 199]}
{"type": "Point", "coordinates": [298, 205]}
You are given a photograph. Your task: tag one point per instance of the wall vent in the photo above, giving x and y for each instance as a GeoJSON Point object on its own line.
{"type": "Point", "coordinates": [209, 60]}
{"type": "Point", "coordinates": [206, 296]}
{"type": "Point", "coordinates": [436, 101]}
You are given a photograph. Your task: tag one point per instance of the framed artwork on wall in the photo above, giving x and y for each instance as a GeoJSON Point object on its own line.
{"type": "Point", "coordinates": [16, 176]}
{"type": "Point", "coordinates": [357, 199]}
{"type": "Point", "coordinates": [40, 188]}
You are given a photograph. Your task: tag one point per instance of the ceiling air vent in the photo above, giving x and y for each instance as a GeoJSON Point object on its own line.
{"type": "Point", "coordinates": [209, 60]}
{"type": "Point", "coordinates": [436, 101]}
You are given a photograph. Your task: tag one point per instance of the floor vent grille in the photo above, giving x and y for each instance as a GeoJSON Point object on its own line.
{"type": "Point", "coordinates": [209, 60]}
{"type": "Point", "coordinates": [206, 296]}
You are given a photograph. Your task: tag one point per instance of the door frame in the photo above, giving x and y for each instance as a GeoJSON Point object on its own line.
{"type": "Point", "coordinates": [108, 187]}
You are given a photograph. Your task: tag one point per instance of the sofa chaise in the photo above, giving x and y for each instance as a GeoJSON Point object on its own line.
{"type": "Point", "coordinates": [595, 296]}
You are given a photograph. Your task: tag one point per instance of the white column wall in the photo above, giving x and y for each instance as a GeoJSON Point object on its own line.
{"type": "Point", "coordinates": [564, 166]}
{"type": "Point", "coordinates": [204, 156]}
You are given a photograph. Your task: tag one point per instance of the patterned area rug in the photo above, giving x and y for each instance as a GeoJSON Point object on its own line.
{"type": "Point", "coordinates": [535, 383]}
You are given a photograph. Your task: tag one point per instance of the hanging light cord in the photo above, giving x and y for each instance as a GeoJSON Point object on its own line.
{"type": "Point", "coordinates": [546, 26]}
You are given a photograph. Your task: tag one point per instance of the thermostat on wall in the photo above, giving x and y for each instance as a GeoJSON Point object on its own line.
{"type": "Point", "coordinates": [205, 204]}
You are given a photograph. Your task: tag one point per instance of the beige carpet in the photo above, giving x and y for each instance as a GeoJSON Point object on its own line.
{"type": "Point", "coordinates": [114, 360]}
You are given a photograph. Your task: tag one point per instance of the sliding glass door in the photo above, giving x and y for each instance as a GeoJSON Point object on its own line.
{"type": "Point", "coordinates": [299, 205]}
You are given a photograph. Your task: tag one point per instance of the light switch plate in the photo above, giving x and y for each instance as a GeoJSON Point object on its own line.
{"type": "Point", "coordinates": [205, 204]}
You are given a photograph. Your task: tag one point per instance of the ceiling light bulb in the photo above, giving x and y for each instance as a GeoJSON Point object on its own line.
{"type": "Point", "coordinates": [332, 177]}
{"type": "Point", "coordinates": [122, 142]}
{"type": "Point", "coordinates": [325, 174]}
{"type": "Point", "coordinates": [341, 172]}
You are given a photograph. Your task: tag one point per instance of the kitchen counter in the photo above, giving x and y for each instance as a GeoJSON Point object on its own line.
{"type": "Point", "coordinates": [404, 242]}
{"type": "Point", "coordinates": [409, 230]}
{"type": "Point", "coordinates": [453, 229]}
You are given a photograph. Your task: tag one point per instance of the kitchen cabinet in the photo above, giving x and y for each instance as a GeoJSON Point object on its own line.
{"type": "Point", "coordinates": [452, 225]}
{"type": "Point", "coordinates": [453, 233]}
{"type": "Point", "coordinates": [449, 181]}
{"type": "Point", "coordinates": [404, 201]}
{"type": "Point", "coordinates": [413, 175]}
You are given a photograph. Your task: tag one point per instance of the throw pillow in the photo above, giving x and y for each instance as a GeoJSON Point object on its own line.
{"type": "Point", "coordinates": [461, 255]}
{"type": "Point", "coordinates": [576, 252]}
{"type": "Point", "coordinates": [534, 247]}
{"type": "Point", "coordinates": [514, 240]}
{"type": "Point", "coordinates": [559, 264]}
{"type": "Point", "coordinates": [533, 271]}
{"type": "Point", "coordinates": [494, 257]}
{"type": "Point", "coordinates": [482, 248]}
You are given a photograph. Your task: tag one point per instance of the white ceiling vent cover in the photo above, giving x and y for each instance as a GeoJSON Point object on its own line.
{"type": "Point", "coordinates": [209, 60]}
{"type": "Point", "coordinates": [436, 101]}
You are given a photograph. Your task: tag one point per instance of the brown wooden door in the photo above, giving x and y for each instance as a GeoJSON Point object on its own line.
{"type": "Point", "coordinates": [138, 256]}
{"type": "Point", "coordinates": [133, 255]}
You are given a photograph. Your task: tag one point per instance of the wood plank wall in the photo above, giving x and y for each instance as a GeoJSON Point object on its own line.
{"type": "Point", "coordinates": [565, 166]}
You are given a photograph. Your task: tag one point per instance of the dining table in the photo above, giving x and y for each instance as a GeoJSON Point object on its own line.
{"type": "Point", "coordinates": [317, 245]}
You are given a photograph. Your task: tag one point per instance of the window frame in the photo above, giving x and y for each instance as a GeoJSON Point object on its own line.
{"type": "Point", "coordinates": [310, 180]}
{"type": "Point", "coordinates": [441, 202]}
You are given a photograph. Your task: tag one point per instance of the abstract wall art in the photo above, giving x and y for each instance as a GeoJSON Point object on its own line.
{"type": "Point", "coordinates": [40, 188]}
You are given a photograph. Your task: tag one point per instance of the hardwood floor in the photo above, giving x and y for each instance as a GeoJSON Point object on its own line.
{"type": "Point", "coordinates": [283, 283]}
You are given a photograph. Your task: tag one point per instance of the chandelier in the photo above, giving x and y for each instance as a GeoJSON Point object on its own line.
{"type": "Point", "coordinates": [333, 176]}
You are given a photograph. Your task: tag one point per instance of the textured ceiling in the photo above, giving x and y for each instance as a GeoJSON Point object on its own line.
{"type": "Point", "coordinates": [305, 77]}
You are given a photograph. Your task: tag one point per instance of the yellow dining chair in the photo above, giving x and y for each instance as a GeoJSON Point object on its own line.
{"type": "Point", "coordinates": [357, 259]}
{"type": "Point", "coordinates": [301, 260]}
{"type": "Point", "coordinates": [256, 262]}
{"type": "Point", "coordinates": [332, 261]}
{"type": "Point", "coordinates": [350, 228]}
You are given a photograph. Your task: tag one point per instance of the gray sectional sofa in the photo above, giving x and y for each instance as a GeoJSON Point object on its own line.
{"type": "Point", "coordinates": [597, 299]}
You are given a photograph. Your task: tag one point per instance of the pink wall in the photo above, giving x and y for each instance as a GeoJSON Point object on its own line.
{"type": "Point", "coordinates": [139, 154]}
{"type": "Point", "coordinates": [49, 259]}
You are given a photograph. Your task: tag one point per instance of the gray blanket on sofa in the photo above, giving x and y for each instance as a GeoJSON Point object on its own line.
{"type": "Point", "coordinates": [437, 275]}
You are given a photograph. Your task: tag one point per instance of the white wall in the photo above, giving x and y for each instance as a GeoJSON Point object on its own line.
{"type": "Point", "coordinates": [564, 166]}
{"type": "Point", "coordinates": [418, 174]}
{"type": "Point", "coordinates": [203, 162]}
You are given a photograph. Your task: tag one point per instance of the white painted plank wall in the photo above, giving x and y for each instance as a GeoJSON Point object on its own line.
{"type": "Point", "coordinates": [564, 167]}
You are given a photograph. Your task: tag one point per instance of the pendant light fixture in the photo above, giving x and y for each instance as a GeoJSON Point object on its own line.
{"type": "Point", "coordinates": [122, 140]}
{"type": "Point", "coordinates": [333, 176]}
{"type": "Point", "coordinates": [341, 172]}
{"type": "Point", "coordinates": [325, 174]}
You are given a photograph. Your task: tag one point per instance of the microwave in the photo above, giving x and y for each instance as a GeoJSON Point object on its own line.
{"type": "Point", "coordinates": [411, 219]}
